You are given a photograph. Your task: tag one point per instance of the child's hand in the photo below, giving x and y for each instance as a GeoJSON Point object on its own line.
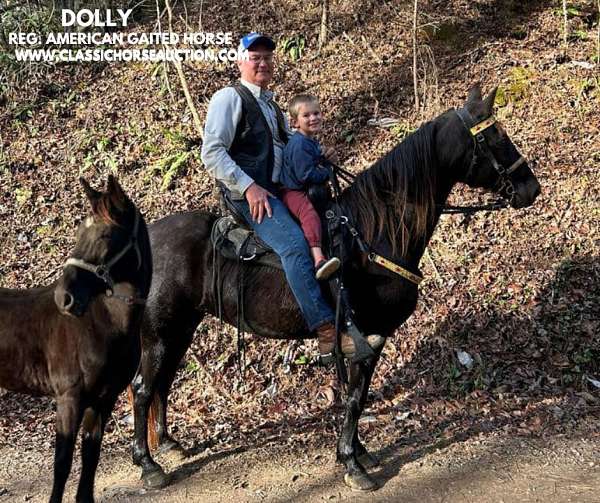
{"type": "Point", "coordinates": [331, 155]}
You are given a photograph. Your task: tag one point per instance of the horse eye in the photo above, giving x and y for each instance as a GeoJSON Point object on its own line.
{"type": "Point", "coordinates": [499, 137]}
{"type": "Point", "coordinates": [501, 129]}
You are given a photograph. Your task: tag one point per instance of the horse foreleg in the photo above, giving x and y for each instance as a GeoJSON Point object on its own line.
{"type": "Point", "coordinates": [366, 459]}
{"type": "Point", "coordinates": [143, 387]}
{"type": "Point", "coordinates": [68, 419]}
{"type": "Point", "coordinates": [93, 424]}
{"type": "Point", "coordinates": [348, 449]}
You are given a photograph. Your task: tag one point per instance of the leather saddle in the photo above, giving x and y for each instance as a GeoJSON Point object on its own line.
{"type": "Point", "coordinates": [234, 239]}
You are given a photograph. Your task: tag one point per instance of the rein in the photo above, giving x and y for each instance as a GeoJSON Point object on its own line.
{"type": "Point", "coordinates": [448, 209]}
{"type": "Point", "coordinates": [479, 147]}
{"type": "Point", "coordinates": [336, 218]}
{"type": "Point", "coordinates": [102, 271]}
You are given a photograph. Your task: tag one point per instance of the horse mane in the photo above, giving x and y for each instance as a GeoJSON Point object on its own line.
{"type": "Point", "coordinates": [396, 195]}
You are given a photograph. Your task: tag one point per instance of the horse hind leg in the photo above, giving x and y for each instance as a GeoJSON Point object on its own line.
{"type": "Point", "coordinates": [68, 419]}
{"type": "Point", "coordinates": [349, 447]}
{"type": "Point", "coordinates": [159, 353]}
{"type": "Point", "coordinates": [166, 443]}
{"type": "Point", "coordinates": [143, 387]}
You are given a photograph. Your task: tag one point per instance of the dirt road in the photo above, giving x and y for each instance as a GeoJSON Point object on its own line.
{"type": "Point", "coordinates": [485, 468]}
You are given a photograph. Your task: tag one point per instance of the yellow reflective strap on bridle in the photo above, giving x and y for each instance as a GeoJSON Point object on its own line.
{"type": "Point", "coordinates": [406, 274]}
{"type": "Point", "coordinates": [478, 128]}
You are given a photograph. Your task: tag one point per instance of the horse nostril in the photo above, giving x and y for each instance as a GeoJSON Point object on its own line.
{"type": "Point", "coordinates": [68, 301]}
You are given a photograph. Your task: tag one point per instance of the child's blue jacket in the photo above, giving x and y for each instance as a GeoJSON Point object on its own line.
{"type": "Point", "coordinates": [302, 157]}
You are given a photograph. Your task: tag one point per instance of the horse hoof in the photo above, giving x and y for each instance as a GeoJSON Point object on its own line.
{"type": "Point", "coordinates": [360, 482]}
{"type": "Point", "coordinates": [368, 461]}
{"type": "Point", "coordinates": [156, 479]}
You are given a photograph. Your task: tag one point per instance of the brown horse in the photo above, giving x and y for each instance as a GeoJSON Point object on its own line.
{"type": "Point", "coordinates": [395, 205]}
{"type": "Point", "coordinates": [78, 338]}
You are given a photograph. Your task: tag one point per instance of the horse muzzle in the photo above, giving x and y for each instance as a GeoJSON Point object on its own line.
{"type": "Point", "coordinates": [525, 193]}
{"type": "Point", "coordinates": [67, 303]}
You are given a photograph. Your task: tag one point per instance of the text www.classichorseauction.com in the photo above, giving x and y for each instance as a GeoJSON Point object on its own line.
{"type": "Point", "coordinates": [51, 47]}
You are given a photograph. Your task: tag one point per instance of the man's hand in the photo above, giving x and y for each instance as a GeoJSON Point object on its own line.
{"type": "Point", "coordinates": [331, 155]}
{"type": "Point", "coordinates": [258, 200]}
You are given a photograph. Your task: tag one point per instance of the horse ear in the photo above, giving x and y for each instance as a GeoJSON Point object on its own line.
{"type": "Point", "coordinates": [489, 101]}
{"type": "Point", "coordinates": [474, 94]}
{"type": "Point", "coordinates": [117, 195]}
{"type": "Point", "coordinates": [92, 194]}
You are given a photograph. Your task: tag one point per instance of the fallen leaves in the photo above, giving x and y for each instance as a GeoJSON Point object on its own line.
{"type": "Point", "coordinates": [516, 291]}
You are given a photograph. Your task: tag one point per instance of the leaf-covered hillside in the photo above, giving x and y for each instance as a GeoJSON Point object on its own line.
{"type": "Point", "coordinates": [517, 290]}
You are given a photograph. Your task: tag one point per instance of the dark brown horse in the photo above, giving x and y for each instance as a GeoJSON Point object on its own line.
{"type": "Point", "coordinates": [78, 338]}
{"type": "Point", "coordinates": [395, 205]}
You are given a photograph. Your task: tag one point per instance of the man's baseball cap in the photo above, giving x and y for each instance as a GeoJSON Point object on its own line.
{"type": "Point", "coordinates": [254, 38]}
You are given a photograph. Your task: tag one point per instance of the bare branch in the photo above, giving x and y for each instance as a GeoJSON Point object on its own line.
{"type": "Point", "coordinates": [415, 49]}
{"type": "Point", "coordinates": [183, 81]}
{"type": "Point", "coordinates": [565, 23]}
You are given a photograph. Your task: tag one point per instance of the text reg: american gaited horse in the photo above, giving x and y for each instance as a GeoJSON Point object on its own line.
{"type": "Point", "coordinates": [395, 205]}
{"type": "Point", "coordinates": [78, 338]}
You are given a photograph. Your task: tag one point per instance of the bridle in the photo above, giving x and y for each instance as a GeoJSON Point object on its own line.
{"type": "Point", "coordinates": [480, 147]}
{"type": "Point", "coordinates": [102, 271]}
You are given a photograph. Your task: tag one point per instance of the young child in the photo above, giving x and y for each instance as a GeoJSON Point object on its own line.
{"type": "Point", "coordinates": [301, 167]}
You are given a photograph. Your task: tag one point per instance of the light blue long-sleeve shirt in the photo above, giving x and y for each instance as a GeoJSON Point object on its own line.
{"type": "Point", "coordinates": [222, 117]}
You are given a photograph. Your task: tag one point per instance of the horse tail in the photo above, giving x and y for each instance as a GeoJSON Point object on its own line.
{"type": "Point", "coordinates": [152, 417]}
{"type": "Point", "coordinates": [152, 423]}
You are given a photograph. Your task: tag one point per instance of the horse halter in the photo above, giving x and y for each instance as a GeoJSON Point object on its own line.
{"type": "Point", "coordinates": [102, 271]}
{"type": "Point", "coordinates": [480, 145]}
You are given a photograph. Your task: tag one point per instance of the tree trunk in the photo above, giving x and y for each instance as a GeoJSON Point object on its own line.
{"type": "Point", "coordinates": [324, 23]}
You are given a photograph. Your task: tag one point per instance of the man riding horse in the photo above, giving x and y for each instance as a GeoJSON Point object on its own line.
{"type": "Point", "coordinates": [244, 136]}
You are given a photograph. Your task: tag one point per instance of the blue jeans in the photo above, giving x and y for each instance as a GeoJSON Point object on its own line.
{"type": "Point", "coordinates": [284, 235]}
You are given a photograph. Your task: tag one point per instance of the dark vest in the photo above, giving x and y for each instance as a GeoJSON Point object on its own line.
{"type": "Point", "coordinates": [252, 146]}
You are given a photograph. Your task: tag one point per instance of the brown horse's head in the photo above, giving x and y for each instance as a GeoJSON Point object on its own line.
{"type": "Point", "coordinates": [107, 250]}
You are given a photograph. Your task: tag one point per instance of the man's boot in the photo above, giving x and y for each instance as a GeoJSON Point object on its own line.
{"type": "Point", "coordinates": [326, 337]}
